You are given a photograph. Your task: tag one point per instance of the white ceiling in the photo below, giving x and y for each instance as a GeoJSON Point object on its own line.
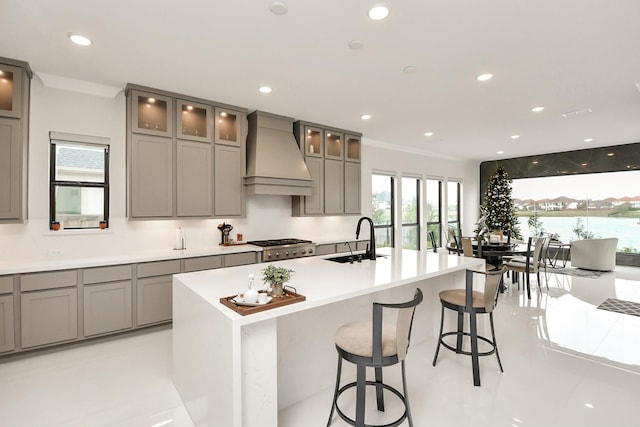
{"type": "Point", "coordinates": [565, 55]}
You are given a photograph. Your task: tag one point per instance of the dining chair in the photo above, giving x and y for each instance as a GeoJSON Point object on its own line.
{"type": "Point", "coordinates": [530, 263]}
{"type": "Point", "coordinates": [467, 247]}
{"type": "Point", "coordinates": [432, 239]}
{"type": "Point", "coordinates": [472, 302]}
{"type": "Point", "coordinates": [375, 344]}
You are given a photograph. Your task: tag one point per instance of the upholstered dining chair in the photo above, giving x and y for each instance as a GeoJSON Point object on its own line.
{"type": "Point", "coordinates": [530, 264]}
{"type": "Point", "coordinates": [375, 344]}
{"type": "Point", "coordinates": [472, 302]}
{"type": "Point", "coordinates": [432, 240]}
{"type": "Point", "coordinates": [467, 247]}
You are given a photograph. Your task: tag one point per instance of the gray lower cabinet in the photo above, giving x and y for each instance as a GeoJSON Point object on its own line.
{"type": "Point", "coordinates": [7, 341]}
{"type": "Point", "coordinates": [48, 317]}
{"type": "Point", "coordinates": [194, 179]}
{"type": "Point", "coordinates": [229, 187]}
{"type": "Point", "coordinates": [107, 308]}
{"type": "Point", "coordinates": [242, 258]}
{"type": "Point", "coordinates": [150, 177]}
{"type": "Point", "coordinates": [154, 300]}
{"type": "Point", "coordinates": [333, 187]}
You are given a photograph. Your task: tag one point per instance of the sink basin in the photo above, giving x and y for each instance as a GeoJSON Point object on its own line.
{"type": "Point", "coordinates": [348, 258]}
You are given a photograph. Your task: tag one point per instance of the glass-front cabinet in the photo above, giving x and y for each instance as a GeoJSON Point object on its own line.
{"type": "Point", "coordinates": [152, 114]}
{"type": "Point", "coordinates": [352, 150]}
{"type": "Point", "coordinates": [227, 126]}
{"type": "Point", "coordinates": [10, 90]}
{"type": "Point", "coordinates": [313, 141]}
{"type": "Point", "coordinates": [193, 121]}
{"type": "Point", "coordinates": [333, 145]}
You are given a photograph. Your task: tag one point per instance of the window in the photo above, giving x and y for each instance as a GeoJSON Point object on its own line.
{"type": "Point", "coordinates": [79, 181]}
{"type": "Point", "coordinates": [410, 213]}
{"type": "Point", "coordinates": [433, 209]}
{"type": "Point", "coordinates": [382, 208]}
{"type": "Point", "coordinates": [453, 206]}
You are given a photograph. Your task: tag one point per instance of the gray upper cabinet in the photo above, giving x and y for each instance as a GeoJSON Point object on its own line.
{"type": "Point", "coordinates": [333, 159]}
{"type": "Point", "coordinates": [194, 121]}
{"type": "Point", "coordinates": [174, 171]}
{"type": "Point", "coordinates": [229, 126]}
{"type": "Point", "coordinates": [194, 179]}
{"type": "Point", "coordinates": [151, 114]}
{"type": "Point", "coordinates": [15, 78]}
{"type": "Point", "coordinates": [150, 177]}
{"type": "Point", "coordinates": [351, 188]}
{"type": "Point", "coordinates": [333, 187]}
{"type": "Point", "coordinates": [229, 188]}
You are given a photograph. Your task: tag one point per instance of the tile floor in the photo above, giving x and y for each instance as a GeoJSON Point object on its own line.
{"type": "Point", "coordinates": [566, 364]}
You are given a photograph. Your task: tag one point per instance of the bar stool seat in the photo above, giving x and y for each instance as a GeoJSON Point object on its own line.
{"type": "Point", "coordinates": [375, 344]}
{"type": "Point", "coordinates": [472, 302]}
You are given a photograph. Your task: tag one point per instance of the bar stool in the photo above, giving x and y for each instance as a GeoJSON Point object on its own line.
{"type": "Point", "coordinates": [375, 344]}
{"type": "Point", "coordinates": [473, 302]}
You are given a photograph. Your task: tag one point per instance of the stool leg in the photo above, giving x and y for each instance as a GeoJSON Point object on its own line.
{"type": "Point", "coordinates": [528, 285]}
{"type": "Point", "coordinates": [360, 394]}
{"type": "Point", "coordinates": [379, 389]}
{"type": "Point", "coordinates": [474, 348]}
{"type": "Point", "coordinates": [435, 357]}
{"type": "Point", "coordinates": [495, 344]}
{"type": "Point", "coordinates": [335, 394]}
{"type": "Point", "coordinates": [406, 395]}
{"type": "Point", "coordinates": [460, 331]}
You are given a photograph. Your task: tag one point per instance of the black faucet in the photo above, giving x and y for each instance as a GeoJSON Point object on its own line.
{"type": "Point", "coordinates": [370, 253]}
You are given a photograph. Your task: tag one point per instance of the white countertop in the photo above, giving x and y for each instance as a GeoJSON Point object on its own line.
{"type": "Point", "coordinates": [324, 282]}
{"type": "Point", "coordinates": [61, 263]}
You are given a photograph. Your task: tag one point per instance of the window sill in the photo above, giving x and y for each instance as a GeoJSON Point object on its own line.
{"type": "Point", "coordinates": [77, 232]}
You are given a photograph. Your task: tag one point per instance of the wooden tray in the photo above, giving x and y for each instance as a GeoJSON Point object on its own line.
{"type": "Point", "coordinates": [289, 297]}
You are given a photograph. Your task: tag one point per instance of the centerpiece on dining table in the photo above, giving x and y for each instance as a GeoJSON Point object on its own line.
{"type": "Point", "coordinates": [276, 277]}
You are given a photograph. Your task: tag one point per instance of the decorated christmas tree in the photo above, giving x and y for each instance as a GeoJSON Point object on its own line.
{"type": "Point", "coordinates": [498, 211]}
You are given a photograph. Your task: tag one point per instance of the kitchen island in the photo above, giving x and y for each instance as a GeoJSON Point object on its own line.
{"type": "Point", "coordinates": [233, 370]}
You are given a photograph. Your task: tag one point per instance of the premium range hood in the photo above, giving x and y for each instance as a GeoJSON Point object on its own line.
{"type": "Point", "coordinates": [274, 161]}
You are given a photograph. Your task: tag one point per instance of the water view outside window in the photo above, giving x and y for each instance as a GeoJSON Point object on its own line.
{"type": "Point", "coordinates": [410, 213]}
{"type": "Point", "coordinates": [433, 208]}
{"type": "Point", "coordinates": [382, 208]}
{"type": "Point", "coordinates": [581, 206]}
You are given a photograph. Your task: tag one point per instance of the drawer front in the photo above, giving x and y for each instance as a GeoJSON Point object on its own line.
{"type": "Point", "coordinates": [231, 260]}
{"type": "Point", "coordinates": [202, 263]}
{"type": "Point", "coordinates": [48, 280]}
{"type": "Point", "coordinates": [158, 268]}
{"type": "Point", "coordinates": [106, 274]}
{"type": "Point", "coordinates": [6, 284]}
{"type": "Point", "coordinates": [325, 249]}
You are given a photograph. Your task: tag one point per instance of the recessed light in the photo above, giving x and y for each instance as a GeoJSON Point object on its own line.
{"type": "Point", "coordinates": [378, 12]}
{"type": "Point", "coordinates": [584, 164]}
{"type": "Point", "coordinates": [79, 39]}
{"type": "Point", "coordinates": [588, 405]}
{"type": "Point", "coordinates": [537, 109]}
{"type": "Point", "coordinates": [500, 152]}
{"type": "Point", "coordinates": [515, 136]}
{"type": "Point", "coordinates": [428, 134]}
{"type": "Point", "coordinates": [189, 107]}
{"type": "Point", "coordinates": [365, 116]}
{"type": "Point", "coordinates": [410, 69]}
{"type": "Point", "coordinates": [151, 100]}
{"type": "Point", "coordinates": [356, 44]}
{"type": "Point", "coordinates": [611, 154]}
{"type": "Point", "coordinates": [484, 77]}
{"type": "Point", "coordinates": [1, 73]}
{"type": "Point", "coordinates": [588, 139]}
{"type": "Point", "coordinates": [265, 89]}
{"type": "Point", "coordinates": [278, 8]}
{"type": "Point", "coordinates": [535, 162]}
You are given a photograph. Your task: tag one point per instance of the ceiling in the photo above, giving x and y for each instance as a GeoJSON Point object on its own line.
{"type": "Point", "coordinates": [566, 56]}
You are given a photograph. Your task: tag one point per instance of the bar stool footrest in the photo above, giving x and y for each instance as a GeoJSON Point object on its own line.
{"type": "Point", "coordinates": [352, 422]}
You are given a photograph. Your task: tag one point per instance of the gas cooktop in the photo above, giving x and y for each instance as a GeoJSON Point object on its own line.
{"type": "Point", "coordinates": [278, 249]}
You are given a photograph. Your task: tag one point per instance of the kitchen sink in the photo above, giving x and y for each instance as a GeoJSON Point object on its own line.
{"type": "Point", "coordinates": [348, 258]}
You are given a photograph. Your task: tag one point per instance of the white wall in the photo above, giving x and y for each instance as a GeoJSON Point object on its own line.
{"type": "Point", "coordinates": [267, 216]}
